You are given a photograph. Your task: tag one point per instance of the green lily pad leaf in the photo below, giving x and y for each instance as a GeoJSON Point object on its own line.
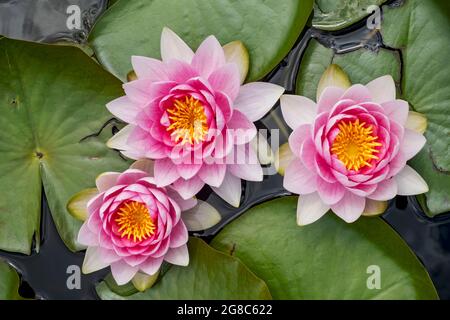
{"type": "Point", "coordinates": [362, 66]}
{"type": "Point", "coordinates": [50, 98]}
{"type": "Point", "coordinates": [329, 259]}
{"type": "Point", "coordinates": [210, 275]}
{"type": "Point", "coordinates": [9, 282]}
{"type": "Point", "coordinates": [425, 84]}
{"type": "Point", "coordinates": [134, 28]}
{"type": "Point", "coordinates": [339, 14]}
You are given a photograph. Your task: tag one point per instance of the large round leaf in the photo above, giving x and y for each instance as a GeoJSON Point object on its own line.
{"type": "Point", "coordinates": [426, 84]}
{"type": "Point", "coordinates": [210, 275]}
{"type": "Point", "coordinates": [338, 14]}
{"type": "Point", "coordinates": [50, 98]}
{"type": "Point", "coordinates": [329, 259]}
{"type": "Point", "coordinates": [268, 29]}
{"type": "Point", "coordinates": [423, 81]}
{"type": "Point", "coordinates": [9, 283]}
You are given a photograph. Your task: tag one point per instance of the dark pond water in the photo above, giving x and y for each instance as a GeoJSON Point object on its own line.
{"type": "Point", "coordinates": [44, 275]}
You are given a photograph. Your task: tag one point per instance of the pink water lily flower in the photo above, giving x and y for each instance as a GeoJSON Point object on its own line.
{"type": "Point", "coordinates": [350, 149]}
{"type": "Point", "coordinates": [190, 113]}
{"type": "Point", "coordinates": [133, 226]}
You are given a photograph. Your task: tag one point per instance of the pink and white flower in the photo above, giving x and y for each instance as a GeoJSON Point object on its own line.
{"type": "Point", "coordinates": [133, 226]}
{"type": "Point", "coordinates": [190, 113]}
{"type": "Point", "coordinates": [350, 149]}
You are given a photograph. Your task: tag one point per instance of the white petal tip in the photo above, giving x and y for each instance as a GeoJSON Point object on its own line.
{"type": "Point", "coordinates": [410, 183]}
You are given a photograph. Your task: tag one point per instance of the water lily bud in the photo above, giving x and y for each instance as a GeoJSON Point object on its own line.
{"type": "Point", "coordinates": [142, 281]}
{"type": "Point", "coordinates": [236, 52]}
{"type": "Point", "coordinates": [333, 76]}
{"type": "Point", "coordinates": [417, 122]}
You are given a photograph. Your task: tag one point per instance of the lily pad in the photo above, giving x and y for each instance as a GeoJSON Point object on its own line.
{"type": "Point", "coordinates": [210, 275]}
{"type": "Point", "coordinates": [329, 259]}
{"type": "Point", "coordinates": [422, 81]}
{"type": "Point", "coordinates": [269, 30]}
{"type": "Point", "coordinates": [339, 14]}
{"type": "Point", "coordinates": [9, 283]}
{"type": "Point", "coordinates": [50, 98]}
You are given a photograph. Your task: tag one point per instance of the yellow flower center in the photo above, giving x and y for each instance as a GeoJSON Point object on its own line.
{"type": "Point", "coordinates": [188, 121]}
{"type": "Point", "coordinates": [355, 145]}
{"type": "Point", "coordinates": [134, 221]}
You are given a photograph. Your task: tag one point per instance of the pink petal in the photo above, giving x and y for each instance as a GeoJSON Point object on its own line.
{"type": "Point", "coordinates": [92, 261]}
{"type": "Point", "coordinates": [330, 193]}
{"type": "Point", "coordinates": [178, 256]}
{"type": "Point", "coordinates": [324, 170]}
{"type": "Point", "coordinates": [223, 145]}
{"type": "Point", "coordinates": [257, 98]}
{"type": "Point", "coordinates": [173, 47]}
{"type": "Point", "coordinates": [298, 137]}
{"type": "Point", "coordinates": [298, 110]}
{"type": "Point", "coordinates": [382, 89]}
{"type": "Point", "coordinates": [180, 71]}
{"type": "Point", "coordinates": [230, 190]}
{"type": "Point", "coordinates": [386, 190]}
{"type": "Point", "coordinates": [396, 165]}
{"type": "Point", "coordinates": [329, 97]}
{"type": "Point", "coordinates": [124, 109]}
{"type": "Point", "coordinates": [122, 272]}
{"type": "Point", "coordinates": [95, 203]}
{"type": "Point", "coordinates": [151, 265]}
{"type": "Point", "coordinates": [396, 110]}
{"type": "Point", "coordinates": [298, 179]}
{"type": "Point", "coordinates": [357, 93]}
{"type": "Point", "coordinates": [243, 130]}
{"type": "Point", "coordinates": [188, 170]}
{"type": "Point", "coordinates": [140, 140]}
{"type": "Point", "coordinates": [188, 188]}
{"type": "Point", "coordinates": [307, 154]}
{"type": "Point", "coordinates": [247, 165]}
{"type": "Point", "coordinates": [86, 237]}
{"type": "Point", "coordinates": [179, 235]}
{"type": "Point", "coordinates": [149, 68]}
{"type": "Point", "coordinates": [185, 204]}
{"type": "Point", "coordinates": [213, 174]}
{"type": "Point", "coordinates": [310, 208]}
{"type": "Point", "coordinates": [225, 106]}
{"type": "Point", "coordinates": [363, 190]}
{"type": "Point", "coordinates": [131, 176]}
{"type": "Point", "coordinates": [165, 172]}
{"type": "Point", "coordinates": [107, 255]}
{"type": "Point", "coordinates": [135, 260]}
{"type": "Point", "coordinates": [226, 79]}
{"type": "Point", "coordinates": [209, 57]}
{"type": "Point", "coordinates": [350, 207]}
{"type": "Point", "coordinates": [138, 91]}
{"type": "Point", "coordinates": [412, 143]}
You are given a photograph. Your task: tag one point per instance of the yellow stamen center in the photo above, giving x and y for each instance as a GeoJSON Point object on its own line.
{"type": "Point", "coordinates": [355, 145]}
{"type": "Point", "coordinates": [188, 121]}
{"type": "Point", "coordinates": [134, 221]}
